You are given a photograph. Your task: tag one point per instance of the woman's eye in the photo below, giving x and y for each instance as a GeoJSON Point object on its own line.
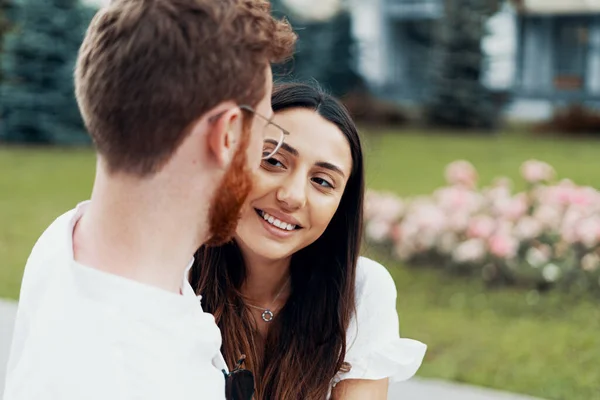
{"type": "Point", "coordinates": [273, 162]}
{"type": "Point", "coordinates": [323, 182]}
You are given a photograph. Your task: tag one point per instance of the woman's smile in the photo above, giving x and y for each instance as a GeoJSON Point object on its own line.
{"type": "Point", "coordinates": [278, 226]}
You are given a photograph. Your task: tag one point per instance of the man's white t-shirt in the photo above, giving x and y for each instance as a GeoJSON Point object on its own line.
{"type": "Point", "coordinates": [84, 334]}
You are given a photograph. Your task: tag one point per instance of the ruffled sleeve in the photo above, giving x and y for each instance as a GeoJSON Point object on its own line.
{"type": "Point", "coordinates": [375, 349]}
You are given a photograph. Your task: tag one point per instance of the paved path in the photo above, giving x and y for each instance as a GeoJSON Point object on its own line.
{"type": "Point", "coordinates": [414, 389]}
{"type": "Point", "coordinates": [7, 320]}
{"type": "Point", "coordinates": [431, 389]}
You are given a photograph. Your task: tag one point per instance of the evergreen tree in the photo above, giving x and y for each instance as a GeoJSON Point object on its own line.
{"type": "Point", "coordinates": [342, 70]}
{"type": "Point", "coordinates": [458, 97]}
{"type": "Point", "coordinates": [325, 52]}
{"type": "Point", "coordinates": [38, 102]}
{"type": "Point", "coordinates": [5, 25]}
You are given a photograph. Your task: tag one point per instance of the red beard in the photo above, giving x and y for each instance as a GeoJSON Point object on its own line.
{"type": "Point", "coordinates": [225, 208]}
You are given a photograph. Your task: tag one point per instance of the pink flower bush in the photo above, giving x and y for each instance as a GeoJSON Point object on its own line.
{"type": "Point", "coordinates": [546, 234]}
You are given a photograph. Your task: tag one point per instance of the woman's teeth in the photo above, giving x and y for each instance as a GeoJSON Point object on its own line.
{"type": "Point", "coordinates": [274, 221]}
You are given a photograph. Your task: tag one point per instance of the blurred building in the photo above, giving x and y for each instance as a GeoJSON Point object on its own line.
{"type": "Point", "coordinates": [396, 46]}
{"type": "Point", "coordinates": [558, 57]}
{"type": "Point", "coordinates": [543, 52]}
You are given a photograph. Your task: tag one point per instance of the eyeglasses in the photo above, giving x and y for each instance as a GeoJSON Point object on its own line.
{"type": "Point", "coordinates": [239, 383]}
{"type": "Point", "coordinates": [273, 134]}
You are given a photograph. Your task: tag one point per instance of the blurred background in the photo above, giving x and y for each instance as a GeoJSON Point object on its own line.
{"type": "Point", "coordinates": [481, 127]}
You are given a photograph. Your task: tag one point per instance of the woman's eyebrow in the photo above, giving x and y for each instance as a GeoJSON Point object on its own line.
{"type": "Point", "coordinates": [294, 152]}
{"type": "Point", "coordinates": [330, 166]}
{"type": "Point", "coordinates": [284, 146]}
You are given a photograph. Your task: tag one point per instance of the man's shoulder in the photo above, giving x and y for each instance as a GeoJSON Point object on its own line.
{"type": "Point", "coordinates": [53, 243]}
{"type": "Point", "coordinates": [55, 233]}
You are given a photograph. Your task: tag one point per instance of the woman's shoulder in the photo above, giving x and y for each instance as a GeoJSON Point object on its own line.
{"type": "Point", "coordinates": [372, 278]}
{"type": "Point", "coordinates": [374, 347]}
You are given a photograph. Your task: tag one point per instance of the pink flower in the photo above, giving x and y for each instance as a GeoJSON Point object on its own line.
{"type": "Point", "coordinates": [481, 226]}
{"type": "Point", "coordinates": [447, 242]}
{"type": "Point", "coordinates": [471, 251]}
{"type": "Point", "coordinates": [423, 224]}
{"type": "Point", "coordinates": [383, 206]}
{"type": "Point", "coordinates": [377, 230]}
{"type": "Point", "coordinates": [505, 227]}
{"type": "Point", "coordinates": [553, 195]}
{"type": "Point", "coordinates": [569, 224]}
{"type": "Point", "coordinates": [512, 208]}
{"type": "Point", "coordinates": [527, 228]}
{"type": "Point", "coordinates": [548, 215]}
{"type": "Point", "coordinates": [583, 196]}
{"type": "Point", "coordinates": [461, 173]}
{"type": "Point", "coordinates": [587, 231]}
{"type": "Point", "coordinates": [503, 246]}
{"type": "Point", "coordinates": [458, 199]}
{"type": "Point", "coordinates": [497, 193]}
{"type": "Point", "coordinates": [590, 262]}
{"type": "Point", "coordinates": [534, 171]}
{"type": "Point", "coordinates": [426, 240]}
{"type": "Point", "coordinates": [396, 232]}
{"type": "Point", "coordinates": [407, 230]}
{"type": "Point", "coordinates": [458, 221]}
{"type": "Point", "coordinates": [428, 216]}
{"type": "Point", "coordinates": [538, 256]}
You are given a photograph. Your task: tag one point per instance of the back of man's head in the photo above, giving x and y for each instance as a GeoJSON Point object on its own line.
{"type": "Point", "coordinates": [148, 69]}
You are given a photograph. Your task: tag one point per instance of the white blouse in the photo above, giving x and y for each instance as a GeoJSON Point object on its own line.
{"type": "Point", "coordinates": [375, 349]}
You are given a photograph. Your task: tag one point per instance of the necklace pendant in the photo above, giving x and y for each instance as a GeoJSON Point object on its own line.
{"type": "Point", "coordinates": [267, 316]}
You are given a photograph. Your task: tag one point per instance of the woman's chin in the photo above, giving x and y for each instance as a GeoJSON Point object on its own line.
{"type": "Point", "coordinates": [263, 244]}
{"type": "Point", "coordinates": [272, 254]}
{"type": "Point", "coordinates": [264, 248]}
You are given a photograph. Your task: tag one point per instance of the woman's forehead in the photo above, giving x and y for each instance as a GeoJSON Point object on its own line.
{"type": "Point", "coordinates": [314, 137]}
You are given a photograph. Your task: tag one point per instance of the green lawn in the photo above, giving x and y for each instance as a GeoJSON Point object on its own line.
{"type": "Point", "coordinates": [546, 346]}
{"type": "Point", "coordinates": [36, 186]}
{"type": "Point", "coordinates": [411, 163]}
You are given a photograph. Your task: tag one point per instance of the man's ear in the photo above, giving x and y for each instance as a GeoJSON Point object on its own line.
{"type": "Point", "coordinates": [222, 136]}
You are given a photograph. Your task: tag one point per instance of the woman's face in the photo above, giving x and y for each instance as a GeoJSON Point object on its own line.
{"type": "Point", "coordinates": [297, 191]}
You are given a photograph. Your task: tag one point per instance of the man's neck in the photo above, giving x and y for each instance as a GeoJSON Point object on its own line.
{"type": "Point", "coordinates": [140, 234]}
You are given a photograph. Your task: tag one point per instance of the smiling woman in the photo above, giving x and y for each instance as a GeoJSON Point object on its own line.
{"type": "Point", "coordinates": [301, 185]}
{"type": "Point", "coordinates": [291, 292]}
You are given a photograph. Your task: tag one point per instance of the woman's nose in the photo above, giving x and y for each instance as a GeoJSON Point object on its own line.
{"type": "Point", "coordinates": [292, 194]}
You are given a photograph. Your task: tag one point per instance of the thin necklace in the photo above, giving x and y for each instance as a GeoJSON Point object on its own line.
{"type": "Point", "coordinates": [267, 315]}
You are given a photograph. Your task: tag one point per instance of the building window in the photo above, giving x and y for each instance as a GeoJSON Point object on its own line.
{"type": "Point", "coordinates": [570, 50]}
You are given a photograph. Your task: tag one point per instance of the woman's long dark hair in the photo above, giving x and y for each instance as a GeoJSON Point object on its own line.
{"type": "Point", "coordinates": [306, 343]}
